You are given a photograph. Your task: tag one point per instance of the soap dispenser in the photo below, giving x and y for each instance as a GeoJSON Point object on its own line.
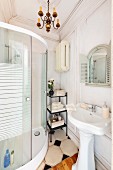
{"type": "Point", "coordinates": [12, 158]}
{"type": "Point", "coordinates": [105, 111]}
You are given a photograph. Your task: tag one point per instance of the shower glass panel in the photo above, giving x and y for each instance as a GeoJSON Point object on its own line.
{"type": "Point", "coordinates": [15, 99]}
{"type": "Point", "coordinates": [38, 100]}
{"type": "Point", "coordinates": [44, 90]}
{"type": "Point", "coordinates": [39, 79]}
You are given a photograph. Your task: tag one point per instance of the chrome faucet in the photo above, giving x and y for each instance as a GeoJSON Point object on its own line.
{"type": "Point", "coordinates": [93, 108]}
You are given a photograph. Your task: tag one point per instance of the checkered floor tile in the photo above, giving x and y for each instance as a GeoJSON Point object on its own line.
{"type": "Point", "coordinates": [59, 149]}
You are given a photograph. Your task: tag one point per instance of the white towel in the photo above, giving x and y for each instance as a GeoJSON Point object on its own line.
{"type": "Point", "coordinates": [60, 92]}
{"type": "Point", "coordinates": [84, 106]}
{"type": "Point", "coordinates": [56, 104]}
{"type": "Point", "coordinates": [58, 107]}
{"type": "Point", "coordinates": [70, 107]}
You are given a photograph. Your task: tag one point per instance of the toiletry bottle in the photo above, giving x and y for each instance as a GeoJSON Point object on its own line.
{"type": "Point", "coordinates": [12, 158]}
{"type": "Point", "coordinates": [105, 111]}
{"type": "Point", "coordinates": [7, 159]}
{"type": "Point", "coordinates": [105, 105]}
{"type": "Point", "coordinates": [59, 118]}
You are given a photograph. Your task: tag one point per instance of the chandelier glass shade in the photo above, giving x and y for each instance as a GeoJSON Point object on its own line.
{"type": "Point", "coordinates": [48, 20]}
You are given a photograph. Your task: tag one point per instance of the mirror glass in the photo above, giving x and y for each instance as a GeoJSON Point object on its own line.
{"type": "Point", "coordinates": [99, 65]}
{"type": "Point", "coordinates": [96, 67]}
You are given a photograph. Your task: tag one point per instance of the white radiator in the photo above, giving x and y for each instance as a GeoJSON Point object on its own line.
{"type": "Point", "coordinates": [62, 56]}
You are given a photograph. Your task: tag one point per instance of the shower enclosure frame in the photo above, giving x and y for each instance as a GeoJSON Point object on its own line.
{"type": "Point", "coordinates": [32, 35]}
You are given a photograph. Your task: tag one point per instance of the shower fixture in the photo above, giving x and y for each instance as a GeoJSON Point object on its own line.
{"type": "Point", "coordinates": [7, 46]}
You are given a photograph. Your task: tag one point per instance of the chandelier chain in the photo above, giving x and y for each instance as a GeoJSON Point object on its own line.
{"type": "Point", "coordinates": [48, 5]}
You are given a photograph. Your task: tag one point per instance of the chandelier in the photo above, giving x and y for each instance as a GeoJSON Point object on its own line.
{"type": "Point", "coordinates": [48, 19]}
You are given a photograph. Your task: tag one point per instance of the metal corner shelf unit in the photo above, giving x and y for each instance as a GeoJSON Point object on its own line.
{"type": "Point", "coordinates": [64, 110]}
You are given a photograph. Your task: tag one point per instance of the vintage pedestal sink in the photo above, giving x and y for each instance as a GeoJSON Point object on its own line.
{"type": "Point", "coordinates": [89, 124]}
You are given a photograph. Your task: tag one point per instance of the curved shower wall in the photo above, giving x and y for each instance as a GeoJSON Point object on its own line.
{"type": "Point", "coordinates": [23, 61]}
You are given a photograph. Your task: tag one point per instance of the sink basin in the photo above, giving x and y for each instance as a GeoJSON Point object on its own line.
{"type": "Point", "coordinates": [89, 122]}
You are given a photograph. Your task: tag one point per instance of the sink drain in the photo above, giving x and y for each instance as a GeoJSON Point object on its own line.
{"type": "Point", "coordinates": [37, 133]}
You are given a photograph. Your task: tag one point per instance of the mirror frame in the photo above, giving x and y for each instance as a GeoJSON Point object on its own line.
{"type": "Point", "coordinates": [107, 47]}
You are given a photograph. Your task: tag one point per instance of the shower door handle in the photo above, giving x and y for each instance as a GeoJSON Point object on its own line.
{"type": "Point", "coordinates": [27, 98]}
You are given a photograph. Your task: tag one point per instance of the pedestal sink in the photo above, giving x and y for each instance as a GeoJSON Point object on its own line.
{"type": "Point", "coordinates": [89, 124]}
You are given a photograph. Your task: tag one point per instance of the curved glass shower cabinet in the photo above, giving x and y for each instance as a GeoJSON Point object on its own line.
{"type": "Point", "coordinates": [16, 117]}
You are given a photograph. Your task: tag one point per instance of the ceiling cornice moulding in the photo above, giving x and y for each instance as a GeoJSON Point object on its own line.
{"type": "Point", "coordinates": [31, 25]}
{"type": "Point", "coordinates": [80, 15]}
{"type": "Point", "coordinates": [7, 9]}
{"type": "Point", "coordinates": [71, 14]}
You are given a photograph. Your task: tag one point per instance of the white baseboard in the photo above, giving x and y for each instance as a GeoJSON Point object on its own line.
{"type": "Point", "coordinates": [101, 163]}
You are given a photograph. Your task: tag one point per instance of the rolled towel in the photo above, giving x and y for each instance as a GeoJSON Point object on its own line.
{"type": "Point", "coordinates": [84, 106]}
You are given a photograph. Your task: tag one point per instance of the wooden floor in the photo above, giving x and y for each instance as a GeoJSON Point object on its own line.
{"type": "Point", "coordinates": [66, 164]}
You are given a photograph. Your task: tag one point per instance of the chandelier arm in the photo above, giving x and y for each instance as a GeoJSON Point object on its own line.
{"type": "Point", "coordinates": [42, 19]}
{"type": "Point", "coordinates": [54, 25]}
{"type": "Point", "coordinates": [45, 18]}
{"type": "Point", "coordinates": [51, 19]}
{"type": "Point", "coordinates": [42, 25]}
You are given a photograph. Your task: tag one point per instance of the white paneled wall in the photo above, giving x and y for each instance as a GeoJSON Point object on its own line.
{"type": "Point", "coordinates": [51, 69]}
{"type": "Point", "coordinates": [112, 76]}
{"type": "Point", "coordinates": [94, 30]}
{"type": "Point", "coordinates": [68, 79]}
{"type": "Point", "coordinates": [95, 95]}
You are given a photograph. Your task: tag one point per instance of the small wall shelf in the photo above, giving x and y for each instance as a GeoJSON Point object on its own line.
{"type": "Point", "coordinates": [58, 112]}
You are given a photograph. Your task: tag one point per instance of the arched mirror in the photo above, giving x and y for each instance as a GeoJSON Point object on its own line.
{"type": "Point", "coordinates": [99, 66]}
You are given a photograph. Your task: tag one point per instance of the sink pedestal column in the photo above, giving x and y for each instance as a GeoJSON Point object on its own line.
{"type": "Point", "coordinates": [85, 159]}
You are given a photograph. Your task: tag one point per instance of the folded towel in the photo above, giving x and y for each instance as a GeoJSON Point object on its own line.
{"type": "Point", "coordinates": [60, 92]}
{"type": "Point", "coordinates": [58, 107]}
{"type": "Point", "coordinates": [56, 104]}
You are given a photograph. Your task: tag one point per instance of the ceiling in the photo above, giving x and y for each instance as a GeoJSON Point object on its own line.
{"type": "Point", "coordinates": [29, 8]}
{"type": "Point", "coordinates": [24, 13]}
{"type": "Point", "coordinates": [71, 13]}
